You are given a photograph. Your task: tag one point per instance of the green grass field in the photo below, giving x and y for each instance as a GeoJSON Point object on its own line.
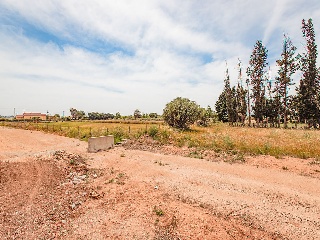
{"type": "Point", "coordinates": [219, 137]}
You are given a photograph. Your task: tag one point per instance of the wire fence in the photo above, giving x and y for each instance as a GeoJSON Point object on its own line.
{"type": "Point", "coordinates": [119, 131]}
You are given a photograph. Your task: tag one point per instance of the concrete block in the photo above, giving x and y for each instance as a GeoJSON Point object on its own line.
{"type": "Point", "coordinates": [102, 143]}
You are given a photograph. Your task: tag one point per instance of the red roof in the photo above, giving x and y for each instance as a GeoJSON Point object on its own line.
{"type": "Point", "coordinates": [34, 114]}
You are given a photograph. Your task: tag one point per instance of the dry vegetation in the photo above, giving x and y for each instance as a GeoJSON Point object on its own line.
{"type": "Point", "coordinates": [219, 137]}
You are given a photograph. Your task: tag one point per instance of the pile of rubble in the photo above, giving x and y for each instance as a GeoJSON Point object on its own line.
{"type": "Point", "coordinates": [72, 158]}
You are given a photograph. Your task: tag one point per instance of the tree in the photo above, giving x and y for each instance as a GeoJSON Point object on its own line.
{"type": "Point", "coordinates": [56, 117]}
{"type": "Point", "coordinates": [226, 104]}
{"type": "Point", "coordinates": [256, 72]}
{"type": "Point", "coordinates": [137, 114]}
{"type": "Point", "coordinates": [206, 116]}
{"type": "Point", "coordinates": [308, 90]}
{"type": "Point", "coordinates": [153, 115]}
{"type": "Point", "coordinates": [118, 115]}
{"type": "Point", "coordinates": [287, 67]}
{"type": "Point", "coordinates": [232, 108]}
{"type": "Point", "coordinates": [93, 115]}
{"type": "Point", "coordinates": [241, 94]}
{"type": "Point", "coordinates": [77, 115]}
{"type": "Point", "coordinates": [230, 99]}
{"type": "Point", "coordinates": [221, 107]}
{"type": "Point", "coordinates": [181, 113]}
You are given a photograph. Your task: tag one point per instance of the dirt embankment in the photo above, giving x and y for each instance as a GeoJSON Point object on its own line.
{"type": "Point", "coordinates": [50, 187]}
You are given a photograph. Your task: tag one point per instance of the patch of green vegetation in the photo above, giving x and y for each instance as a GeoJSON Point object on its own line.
{"type": "Point", "coordinates": [153, 132]}
{"type": "Point", "coordinates": [228, 142]}
{"type": "Point", "coordinates": [158, 211]}
{"type": "Point", "coordinates": [111, 180]}
{"type": "Point", "coordinates": [196, 154]}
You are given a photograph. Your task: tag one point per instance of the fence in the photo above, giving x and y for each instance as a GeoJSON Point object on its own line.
{"type": "Point", "coordinates": [120, 131]}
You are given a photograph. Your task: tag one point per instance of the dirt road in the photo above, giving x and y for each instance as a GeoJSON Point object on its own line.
{"type": "Point", "coordinates": [50, 187]}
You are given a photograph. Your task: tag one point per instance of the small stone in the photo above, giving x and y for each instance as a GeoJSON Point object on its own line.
{"type": "Point", "coordinates": [73, 206]}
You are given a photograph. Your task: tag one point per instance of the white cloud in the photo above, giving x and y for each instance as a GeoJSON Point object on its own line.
{"type": "Point", "coordinates": [122, 55]}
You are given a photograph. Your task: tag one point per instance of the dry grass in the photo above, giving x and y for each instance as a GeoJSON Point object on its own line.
{"type": "Point", "coordinates": [267, 141]}
{"type": "Point", "coordinates": [219, 137]}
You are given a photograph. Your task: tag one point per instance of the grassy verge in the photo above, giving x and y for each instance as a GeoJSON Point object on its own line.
{"type": "Point", "coordinates": [220, 137]}
{"type": "Point", "coordinates": [256, 141]}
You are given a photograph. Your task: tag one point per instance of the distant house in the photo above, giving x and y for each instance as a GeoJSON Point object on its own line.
{"type": "Point", "coordinates": [31, 116]}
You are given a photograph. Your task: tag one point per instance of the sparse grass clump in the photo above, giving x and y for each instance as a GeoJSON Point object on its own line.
{"type": "Point", "coordinates": [158, 211]}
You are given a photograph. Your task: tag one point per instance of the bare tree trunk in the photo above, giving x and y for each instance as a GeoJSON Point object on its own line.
{"type": "Point", "coordinates": [285, 108]}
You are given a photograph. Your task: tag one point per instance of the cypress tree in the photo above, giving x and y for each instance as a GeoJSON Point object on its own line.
{"type": "Point", "coordinates": [256, 73]}
{"type": "Point", "coordinates": [308, 90]}
{"type": "Point", "coordinates": [228, 92]}
{"type": "Point", "coordinates": [221, 107]}
{"type": "Point", "coordinates": [241, 94]}
{"type": "Point", "coordinates": [287, 67]}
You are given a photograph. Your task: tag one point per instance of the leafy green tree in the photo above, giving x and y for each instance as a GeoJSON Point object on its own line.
{"type": "Point", "coordinates": [206, 117]}
{"type": "Point", "coordinates": [181, 113]}
{"type": "Point", "coordinates": [287, 67]}
{"type": "Point", "coordinates": [76, 114]}
{"type": "Point", "coordinates": [93, 115]}
{"type": "Point", "coordinates": [153, 115]}
{"type": "Point", "coordinates": [145, 115]}
{"type": "Point", "coordinates": [137, 114]}
{"type": "Point", "coordinates": [256, 72]}
{"type": "Point", "coordinates": [118, 115]}
{"type": "Point", "coordinates": [308, 90]}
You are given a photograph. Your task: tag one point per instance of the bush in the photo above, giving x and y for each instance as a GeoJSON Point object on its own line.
{"type": "Point", "coordinates": [153, 131]}
{"type": "Point", "coordinates": [181, 113]}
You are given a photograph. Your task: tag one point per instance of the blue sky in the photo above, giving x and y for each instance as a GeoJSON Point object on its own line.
{"type": "Point", "coordinates": [118, 56]}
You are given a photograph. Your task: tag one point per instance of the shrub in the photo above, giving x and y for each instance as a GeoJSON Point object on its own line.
{"type": "Point", "coordinates": [153, 131]}
{"type": "Point", "coordinates": [181, 113]}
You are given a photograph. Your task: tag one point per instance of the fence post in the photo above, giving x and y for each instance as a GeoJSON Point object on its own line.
{"type": "Point", "coordinates": [129, 130]}
{"type": "Point", "coordinates": [78, 131]}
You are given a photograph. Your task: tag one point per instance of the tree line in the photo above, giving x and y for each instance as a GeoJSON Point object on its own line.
{"type": "Point", "coordinates": [269, 102]}
{"type": "Point", "coordinates": [81, 115]}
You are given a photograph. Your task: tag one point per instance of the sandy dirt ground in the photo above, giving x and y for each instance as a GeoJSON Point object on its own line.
{"type": "Point", "coordinates": [51, 188]}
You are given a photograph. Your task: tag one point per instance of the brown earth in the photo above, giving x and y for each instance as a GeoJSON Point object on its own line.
{"type": "Point", "coordinates": [51, 188]}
